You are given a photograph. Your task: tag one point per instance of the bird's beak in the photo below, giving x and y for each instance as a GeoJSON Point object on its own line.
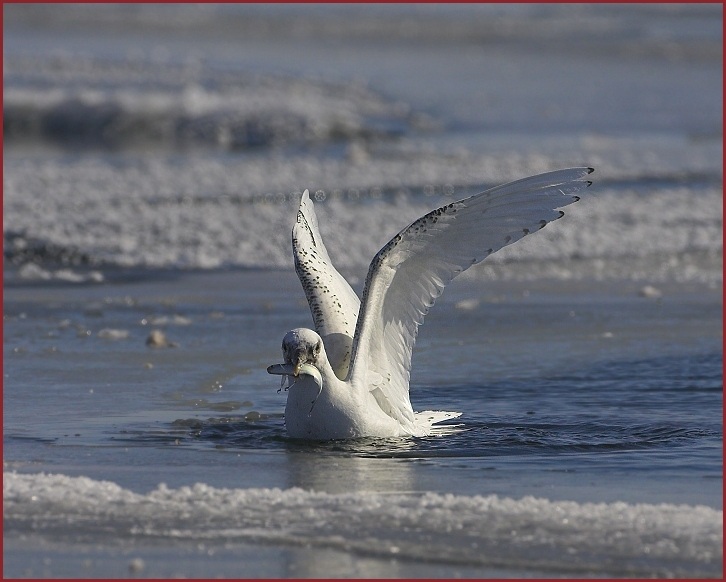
{"type": "Point", "coordinates": [295, 370]}
{"type": "Point", "coordinates": [299, 359]}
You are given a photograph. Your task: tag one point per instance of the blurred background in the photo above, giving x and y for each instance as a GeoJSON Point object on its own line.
{"type": "Point", "coordinates": [180, 136]}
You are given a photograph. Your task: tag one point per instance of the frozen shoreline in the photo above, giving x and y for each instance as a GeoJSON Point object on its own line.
{"type": "Point", "coordinates": [143, 213]}
{"type": "Point", "coordinates": [377, 525]}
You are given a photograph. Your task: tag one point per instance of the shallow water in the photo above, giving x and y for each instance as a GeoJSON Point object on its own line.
{"type": "Point", "coordinates": [152, 165]}
{"type": "Point", "coordinates": [570, 402]}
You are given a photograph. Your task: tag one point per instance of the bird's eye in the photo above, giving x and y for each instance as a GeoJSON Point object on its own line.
{"type": "Point", "coordinates": [316, 349]}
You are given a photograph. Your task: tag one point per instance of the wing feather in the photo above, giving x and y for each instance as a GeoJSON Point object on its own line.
{"type": "Point", "coordinates": [333, 303]}
{"type": "Point", "coordinates": [410, 272]}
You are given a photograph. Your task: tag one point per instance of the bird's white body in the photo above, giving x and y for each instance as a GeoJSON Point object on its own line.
{"type": "Point", "coordinates": [320, 406]}
{"type": "Point", "coordinates": [350, 378]}
{"type": "Point", "coordinates": [338, 412]}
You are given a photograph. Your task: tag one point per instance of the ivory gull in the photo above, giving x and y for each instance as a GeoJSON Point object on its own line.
{"type": "Point", "coordinates": [350, 377]}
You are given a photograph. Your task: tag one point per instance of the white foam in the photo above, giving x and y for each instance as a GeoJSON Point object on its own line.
{"type": "Point", "coordinates": [33, 272]}
{"type": "Point", "coordinates": [612, 538]}
{"type": "Point", "coordinates": [206, 214]}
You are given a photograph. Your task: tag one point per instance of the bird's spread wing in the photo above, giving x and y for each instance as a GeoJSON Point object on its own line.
{"type": "Point", "coordinates": [333, 303]}
{"type": "Point", "coordinates": [411, 271]}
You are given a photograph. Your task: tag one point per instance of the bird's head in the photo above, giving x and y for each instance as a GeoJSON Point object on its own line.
{"type": "Point", "coordinates": [302, 346]}
{"type": "Point", "coordinates": [303, 352]}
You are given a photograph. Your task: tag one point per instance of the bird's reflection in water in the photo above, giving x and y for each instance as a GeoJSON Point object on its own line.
{"type": "Point", "coordinates": [369, 465]}
{"type": "Point", "coordinates": [351, 466]}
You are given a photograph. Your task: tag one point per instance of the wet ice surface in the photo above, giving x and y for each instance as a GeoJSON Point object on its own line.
{"type": "Point", "coordinates": [152, 166]}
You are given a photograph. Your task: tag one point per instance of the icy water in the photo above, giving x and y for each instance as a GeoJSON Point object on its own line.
{"type": "Point", "coordinates": [153, 160]}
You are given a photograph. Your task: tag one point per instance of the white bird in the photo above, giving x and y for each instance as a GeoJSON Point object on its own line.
{"type": "Point", "coordinates": [351, 377]}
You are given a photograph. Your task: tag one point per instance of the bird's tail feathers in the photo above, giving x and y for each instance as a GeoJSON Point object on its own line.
{"type": "Point", "coordinates": [428, 418]}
